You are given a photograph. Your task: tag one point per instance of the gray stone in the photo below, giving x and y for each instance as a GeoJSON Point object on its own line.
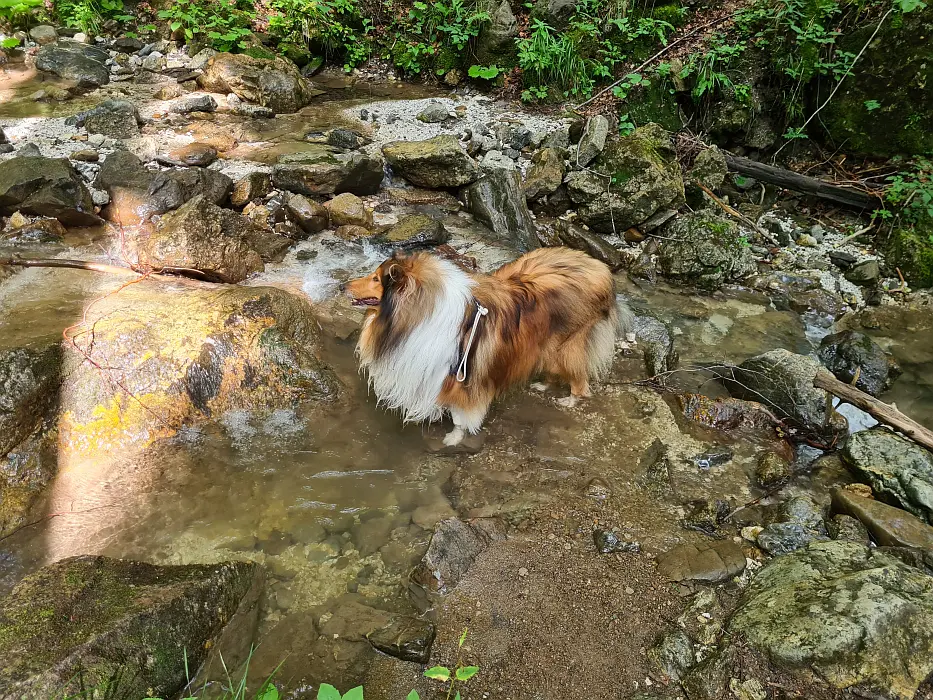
{"type": "Point", "coordinates": [46, 187]}
{"type": "Point", "coordinates": [899, 471]}
{"type": "Point", "coordinates": [116, 119]}
{"type": "Point", "coordinates": [589, 242]}
{"type": "Point", "coordinates": [309, 215]}
{"type": "Point", "coordinates": [416, 231]}
{"type": "Point", "coordinates": [593, 140]}
{"type": "Point", "coordinates": [194, 103]}
{"type": "Point", "coordinates": [673, 655]}
{"type": "Point", "coordinates": [709, 168]}
{"type": "Point", "coordinates": [846, 527]}
{"type": "Point", "coordinates": [29, 382]}
{"type": "Point", "coordinates": [890, 526]}
{"type": "Point", "coordinates": [857, 617]}
{"type": "Point", "coordinates": [127, 44]}
{"type": "Point", "coordinates": [710, 562]}
{"type": "Point", "coordinates": [72, 61]}
{"type": "Point", "coordinates": [854, 358]}
{"type": "Point", "coordinates": [454, 547]}
{"type": "Point", "coordinates": [545, 174]}
{"type": "Point", "coordinates": [866, 273]}
{"type": "Point", "coordinates": [43, 34]}
{"type": "Point", "coordinates": [657, 344]}
{"type": "Point", "coordinates": [276, 84]}
{"type": "Point", "coordinates": [704, 249]}
{"type": "Point", "coordinates": [329, 172]}
{"type": "Point", "coordinates": [435, 163]}
{"type": "Point", "coordinates": [248, 188]}
{"type": "Point", "coordinates": [608, 542]}
{"type": "Point", "coordinates": [497, 38]}
{"type": "Point", "coordinates": [434, 113]}
{"type": "Point", "coordinates": [772, 470]}
{"type": "Point", "coordinates": [497, 201]}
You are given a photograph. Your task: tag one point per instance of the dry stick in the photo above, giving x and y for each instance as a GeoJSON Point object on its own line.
{"type": "Point", "coordinates": [102, 267]}
{"type": "Point", "coordinates": [735, 213]}
{"type": "Point", "coordinates": [883, 412]}
{"type": "Point", "coordinates": [854, 235]}
{"type": "Point", "coordinates": [653, 58]}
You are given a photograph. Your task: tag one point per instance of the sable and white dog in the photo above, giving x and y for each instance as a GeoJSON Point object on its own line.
{"type": "Point", "coordinates": [438, 339]}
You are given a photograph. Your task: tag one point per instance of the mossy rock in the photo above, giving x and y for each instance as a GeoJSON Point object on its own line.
{"type": "Point", "coordinates": [120, 628]}
{"type": "Point", "coordinates": [184, 353]}
{"type": "Point", "coordinates": [261, 52]}
{"type": "Point", "coordinates": [910, 249]}
{"type": "Point", "coordinates": [654, 104]}
{"type": "Point", "coordinates": [706, 250]}
{"type": "Point", "coordinates": [298, 55]}
{"type": "Point", "coordinates": [29, 381]}
{"type": "Point", "coordinates": [896, 72]}
{"type": "Point", "coordinates": [446, 59]}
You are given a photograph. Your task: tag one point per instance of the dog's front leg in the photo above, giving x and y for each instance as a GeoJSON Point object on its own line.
{"type": "Point", "coordinates": [465, 421]}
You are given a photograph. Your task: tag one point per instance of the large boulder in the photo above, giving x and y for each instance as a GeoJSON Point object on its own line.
{"type": "Point", "coordinates": [435, 163]}
{"type": "Point", "coordinates": [495, 44]}
{"type": "Point", "coordinates": [46, 187]}
{"type": "Point", "coordinates": [545, 175]}
{"type": "Point", "coordinates": [855, 616]}
{"type": "Point", "coordinates": [899, 471]}
{"type": "Point", "coordinates": [29, 382]}
{"type": "Point", "coordinates": [497, 200]}
{"type": "Point", "coordinates": [890, 526]}
{"type": "Point", "coordinates": [183, 352]}
{"type": "Point", "coordinates": [783, 381]}
{"type": "Point", "coordinates": [274, 83]}
{"type": "Point", "coordinates": [854, 358]}
{"type": "Point", "coordinates": [117, 119]}
{"type": "Point", "coordinates": [631, 181]}
{"type": "Point", "coordinates": [327, 171]}
{"type": "Point", "coordinates": [900, 61]}
{"type": "Point", "coordinates": [909, 248]}
{"type": "Point", "coordinates": [132, 628]}
{"type": "Point", "coordinates": [705, 249]}
{"type": "Point", "coordinates": [86, 65]}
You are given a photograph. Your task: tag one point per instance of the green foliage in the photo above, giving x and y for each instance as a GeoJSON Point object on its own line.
{"type": "Point", "coordinates": [548, 57]}
{"type": "Point", "coordinates": [626, 125]}
{"type": "Point", "coordinates": [11, 42]}
{"type": "Point", "coordinates": [708, 70]}
{"type": "Point", "coordinates": [221, 22]}
{"type": "Point", "coordinates": [911, 191]}
{"type": "Point", "coordinates": [14, 12]}
{"type": "Point", "coordinates": [332, 28]}
{"type": "Point", "coordinates": [89, 15]}
{"type": "Point", "coordinates": [484, 72]}
{"type": "Point", "coordinates": [438, 29]}
{"type": "Point", "coordinates": [872, 105]}
{"type": "Point", "coordinates": [329, 692]}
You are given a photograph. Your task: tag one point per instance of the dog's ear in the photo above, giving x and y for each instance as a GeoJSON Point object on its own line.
{"type": "Point", "coordinates": [395, 276]}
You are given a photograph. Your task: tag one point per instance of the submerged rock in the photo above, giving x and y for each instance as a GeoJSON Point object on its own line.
{"type": "Point", "coordinates": [274, 83]}
{"type": "Point", "coordinates": [496, 199]}
{"type": "Point", "coordinates": [454, 547]}
{"type": "Point", "coordinates": [890, 526]}
{"type": "Point", "coordinates": [898, 470]}
{"type": "Point", "coordinates": [706, 250]}
{"type": "Point", "coordinates": [46, 187]}
{"type": "Point", "coordinates": [435, 163]}
{"type": "Point", "coordinates": [632, 180]}
{"type": "Point", "coordinates": [855, 616]}
{"type": "Point", "coordinates": [29, 382]}
{"type": "Point", "coordinates": [783, 381]}
{"type": "Point", "coordinates": [134, 628]}
{"type": "Point", "coordinates": [186, 351]}
{"type": "Point", "coordinates": [854, 358]}
{"type": "Point", "coordinates": [86, 65]}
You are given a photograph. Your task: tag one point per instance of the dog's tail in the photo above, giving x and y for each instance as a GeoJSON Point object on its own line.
{"type": "Point", "coordinates": [619, 325]}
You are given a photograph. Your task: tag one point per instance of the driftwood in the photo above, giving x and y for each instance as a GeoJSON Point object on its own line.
{"type": "Point", "coordinates": [856, 199]}
{"type": "Point", "coordinates": [109, 269]}
{"type": "Point", "coordinates": [879, 410]}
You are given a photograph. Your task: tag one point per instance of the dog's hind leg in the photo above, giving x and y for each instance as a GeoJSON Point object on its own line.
{"type": "Point", "coordinates": [465, 421]}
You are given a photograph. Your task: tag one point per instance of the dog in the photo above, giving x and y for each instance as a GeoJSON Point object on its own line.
{"type": "Point", "coordinates": [438, 339]}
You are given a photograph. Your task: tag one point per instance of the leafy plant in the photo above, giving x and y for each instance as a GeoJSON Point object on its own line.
{"type": "Point", "coordinates": [333, 28]}
{"type": "Point", "coordinates": [872, 105]}
{"type": "Point", "coordinates": [89, 15]}
{"type": "Point", "coordinates": [626, 125]}
{"type": "Point", "coordinates": [548, 57]}
{"type": "Point", "coordinates": [484, 72]}
{"type": "Point", "coordinates": [220, 21]}
{"type": "Point", "coordinates": [12, 12]}
{"type": "Point", "coordinates": [11, 42]}
{"type": "Point", "coordinates": [911, 190]}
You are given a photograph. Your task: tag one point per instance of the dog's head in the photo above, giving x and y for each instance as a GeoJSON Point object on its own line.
{"type": "Point", "coordinates": [392, 280]}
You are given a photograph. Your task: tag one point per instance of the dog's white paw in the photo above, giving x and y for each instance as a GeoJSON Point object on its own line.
{"type": "Point", "coordinates": [539, 386]}
{"type": "Point", "coordinates": [568, 401]}
{"type": "Point", "coordinates": [454, 437]}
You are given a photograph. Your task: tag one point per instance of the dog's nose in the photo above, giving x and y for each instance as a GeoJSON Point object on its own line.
{"type": "Point", "coordinates": [342, 288]}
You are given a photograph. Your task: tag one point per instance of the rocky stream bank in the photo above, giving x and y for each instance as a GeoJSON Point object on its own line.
{"type": "Point", "coordinates": [196, 466]}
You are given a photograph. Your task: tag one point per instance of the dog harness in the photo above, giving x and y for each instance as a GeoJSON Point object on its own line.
{"type": "Point", "coordinates": [462, 368]}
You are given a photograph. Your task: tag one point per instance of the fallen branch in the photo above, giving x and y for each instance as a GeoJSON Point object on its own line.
{"type": "Point", "coordinates": [654, 58]}
{"type": "Point", "coordinates": [736, 214]}
{"type": "Point", "coordinates": [108, 269]}
{"type": "Point", "coordinates": [790, 180]}
{"type": "Point", "coordinates": [879, 410]}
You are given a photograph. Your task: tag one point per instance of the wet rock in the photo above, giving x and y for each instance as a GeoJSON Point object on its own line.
{"type": "Point", "coordinates": [202, 236]}
{"type": "Point", "coordinates": [608, 542]}
{"type": "Point", "coordinates": [454, 547]}
{"type": "Point", "coordinates": [865, 274]}
{"type": "Point", "coordinates": [783, 381]}
{"type": "Point", "coordinates": [545, 174]}
{"type": "Point", "coordinates": [725, 414]}
{"type": "Point", "coordinates": [416, 231]}
{"type": "Point", "coordinates": [592, 141]}
{"type": "Point", "coordinates": [435, 163]}
{"type": "Point", "coordinates": [328, 172]}
{"type": "Point", "coordinates": [72, 61]}
{"type": "Point", "coordinates": [434, 113]}
{"type": "Point", "coordinates": [198, 155]}
{"type": "Point", "coordinates": [589, 242]}
{"type": "Point", "coordinates": [101, 618]}
{"type": "Point", "coordinates": [898, 470]}
{"type": "Point", "coordinates": [346, 139]}
{"type": "Point", "coordinates": [804, 511]}
{"type": "Point", "coordinates": [194, 103]}
{"type": "Point", "coordinates": [273, 83]}
{"type": "Point", "coordinates": [706, 515]}
{"type": "Point", "coordinates": [673, 655]}
{"type": "Point", "coordinates": [845, 527]}
{"type": "Point", "coordinates": [782, 538]}
{"type": "Point", "coordinates": [857, 617]}
{"type": "Point", "coordinates": [250, 187]}
{"type": "Point", "coordinates": [496, 200]}
{"type": "Point", "coordinates": [39, 231]}
{"type": "Point", "coordinates": [654, 466]}
{"type": "Point", "coordinates": [46, 187]}
{"type": "Point", "coordinates": [842, 260]}
{"type": "Point", "coordinates": [706, 250]}
{"type": "Point", "coordinates": [890, 526]}
{"type": "Point", "coordinates": [709, 679]}
{"type": "Point", "coordinates": [406, 638]}
{"type": "Point", "coordinates": [309, 215]}
{"type": "Point", "coordinates": [43, 34]}
{"type": "Point", "coordinates": [709, 562]}
{"type": "Point", "coordinates": [116, 119]}
{"type": "Point", "coordinates": [632, 180]}
{"type": "Point", "coordinates": [189, 351]}
{"type": "Point", "coordinates": [850, 354]}
{"type": "Point", "coordinates": [29, 381]}
{"type": "Point", "coordinates": [348, 210]}
{"type": "Point", "coordinates": [772, 470]}
{"type": "Point", "coordinates": [351, 232]}
{"type": "Point", "coordinates": [657, 344]}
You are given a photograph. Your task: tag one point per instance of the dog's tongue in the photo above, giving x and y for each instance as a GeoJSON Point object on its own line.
{"type": "Point", "coordinates": [368, 301]}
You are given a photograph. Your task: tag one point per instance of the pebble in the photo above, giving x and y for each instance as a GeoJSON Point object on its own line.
{"type": "Point", "coordinates": [523, 572]}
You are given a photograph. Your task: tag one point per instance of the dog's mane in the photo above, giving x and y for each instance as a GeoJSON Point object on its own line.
{"type": "Point", "coordinates": [412, 343]}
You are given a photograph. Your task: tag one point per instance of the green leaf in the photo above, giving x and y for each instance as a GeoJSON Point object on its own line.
{"type": "Point", "coordinates": [465, 673]}
{"type": "Point", "coordinates": [463, 635]}
{"type": "Point", "coordinates": [438, 673]}
{"type": "Point", "coordinates": [457, 696]}
{"type": "Point", "coordinates": [327, 692]}
{"type": "Point", "coordinates": [413, 695]}
{"type": "Point", "coordinates": [269, 692]}
{"type": "Point", "coordinates": [354, 693]}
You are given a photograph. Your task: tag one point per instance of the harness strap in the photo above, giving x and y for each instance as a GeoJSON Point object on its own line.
{"type": "Point", "coordinates": [462, 369]}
